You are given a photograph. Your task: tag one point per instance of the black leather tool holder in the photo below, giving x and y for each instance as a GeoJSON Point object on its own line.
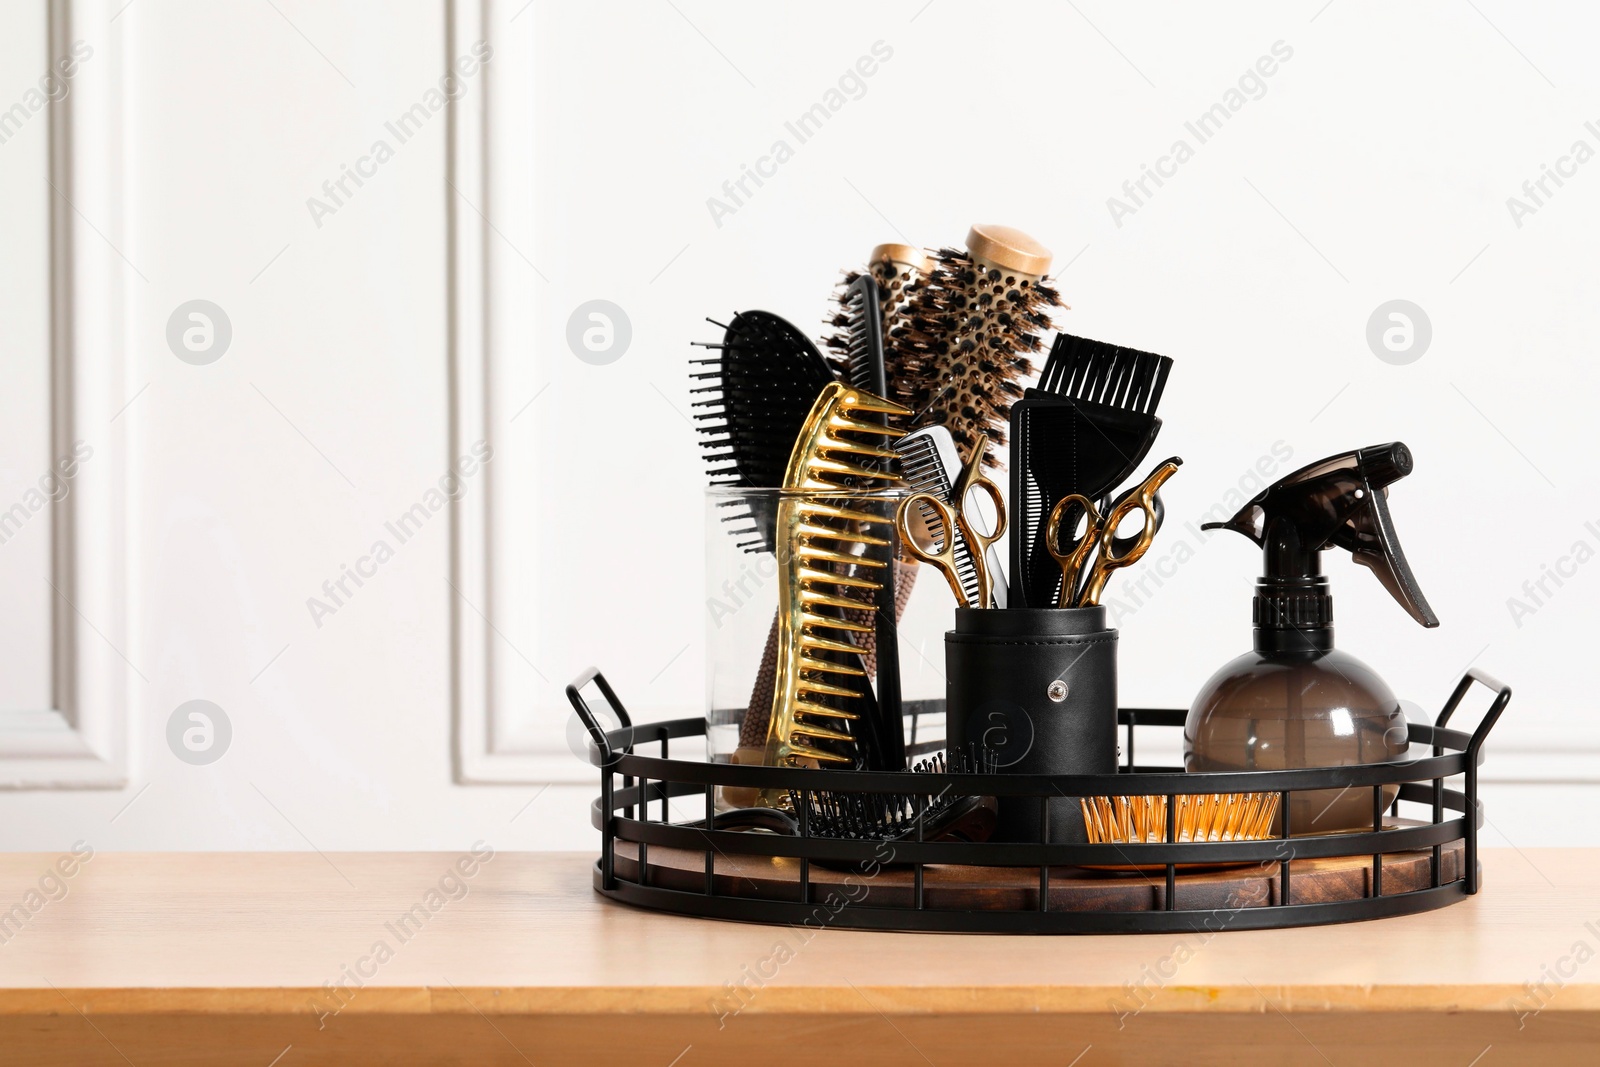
{"type": "Point", "coordinates": [1034, 691]}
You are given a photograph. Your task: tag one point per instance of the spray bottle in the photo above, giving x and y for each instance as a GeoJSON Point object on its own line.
{"type": "Point", "coordinates": [1296, 701]}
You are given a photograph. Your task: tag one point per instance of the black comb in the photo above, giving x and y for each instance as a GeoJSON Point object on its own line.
{"type": "Point", "coordinates": [1084, 429]}
{"type": "Point", "coordinates": [862, 312]}
{"type": "Point", "coordinates": [754, 397]}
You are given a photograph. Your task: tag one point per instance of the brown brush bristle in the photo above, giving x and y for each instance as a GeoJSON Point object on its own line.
{"type": "Point", "coordinates": [963, 352]}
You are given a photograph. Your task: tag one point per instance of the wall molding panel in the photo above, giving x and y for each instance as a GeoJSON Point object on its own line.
{"type": "Point", "coordinates": [81, 741]}
{"type": "Point", "coordinates": [489, 321]}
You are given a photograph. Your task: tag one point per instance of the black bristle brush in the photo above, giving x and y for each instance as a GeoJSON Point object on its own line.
{"type": "Point", "coordinates": [970, 329]}
{"type": "Point", "coordinates": [886, 817]}
{"type": "Point", "coordinates": [752, 399]}
{"type": "Point", "coordinates": [1084, 429]}
{"type": "Point", "coordinates": [892, 817]}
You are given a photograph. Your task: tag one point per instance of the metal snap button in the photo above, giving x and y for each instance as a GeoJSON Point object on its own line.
{"type": "Point", "coordinates": [1057, 691]}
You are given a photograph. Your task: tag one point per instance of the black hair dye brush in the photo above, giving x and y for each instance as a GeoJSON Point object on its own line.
{"type": "Point", "coordinates": [1083, 429]}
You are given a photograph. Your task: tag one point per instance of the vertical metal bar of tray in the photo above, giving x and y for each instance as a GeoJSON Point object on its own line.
{"type": "Point", "coordinates": [805, 834]}
{"type": "Point", "coordinates": [1470, 857]}
{"type": "Point", "coordinates": [1044, 839]}
{"type": "Point", "coordinates": [711, 824]}
{"type": "Point", "coordinates": [1438, 817]}
{"type": "Point", "coordinates": [608, 840]}
{"type": "Point", "coordinates": [1377, 828]}
{"type": "Point", "coordinates": [917, 870]}
{"type": "Point", "coordinates": [666, 816]}
{"type": "Point", "coordinates": [1283, 864]}
{"type": "Point", "coordinates": [644, 817]}
{"type": "Point", "coordinates": [1172, 839]}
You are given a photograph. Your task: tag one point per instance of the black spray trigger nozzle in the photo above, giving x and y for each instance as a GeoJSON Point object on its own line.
{"type": "Point", "coordinates": [1341, 502]}
{"type": "Point", "coordinates": [1378, 550]}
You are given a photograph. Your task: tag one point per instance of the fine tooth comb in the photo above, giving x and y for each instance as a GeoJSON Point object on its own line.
{"type": "Point", "coordinates": [969, 332]}
{"type": "Point", "coordinates": [1083, 429]}
{"type": "Point", "coordinates": [819, 571]}
{"type": "Point", "coordinates": [863, 320]}
{"type": "Point", "coordinates": [899, 270]}
{"type": "Point", "coordinates": [892, 275]}
{"type": "Point", "coordinates": [754, 398]}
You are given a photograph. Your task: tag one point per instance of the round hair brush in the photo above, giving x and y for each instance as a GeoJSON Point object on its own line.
{"type": "Point", "coordinates": [969, 332]}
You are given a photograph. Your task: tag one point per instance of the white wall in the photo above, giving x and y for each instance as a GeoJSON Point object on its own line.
{"type": "Point", "coordinates": [1375, 165]}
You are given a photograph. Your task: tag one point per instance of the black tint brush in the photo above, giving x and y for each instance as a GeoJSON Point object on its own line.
{"type": "Point", "coordinates": [1083, 429]}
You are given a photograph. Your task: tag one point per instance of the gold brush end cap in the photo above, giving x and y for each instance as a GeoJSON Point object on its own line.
{"type": "Point", "coordinates": [1007, 247]}
{"type": "Point", "coordinates": [903, 256]}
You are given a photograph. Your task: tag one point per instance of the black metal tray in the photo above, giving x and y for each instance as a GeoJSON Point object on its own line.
{"type": "Point", "coordinates": [623, 814]}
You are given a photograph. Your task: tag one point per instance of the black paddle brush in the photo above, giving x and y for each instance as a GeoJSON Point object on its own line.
{"type": "Point", "coordinates": [754, 397]}
{"type": "Point", "coordinates": [1083, 429]}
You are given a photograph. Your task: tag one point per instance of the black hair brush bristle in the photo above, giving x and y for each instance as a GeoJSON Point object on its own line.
{"type": "Point", "coordinates": [903, 816]}
{"type": "Point", "coordinates": [754, 397]}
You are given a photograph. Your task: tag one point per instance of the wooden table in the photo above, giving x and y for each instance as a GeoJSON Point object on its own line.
{"type": "Point", "coordinates": [241, 958]}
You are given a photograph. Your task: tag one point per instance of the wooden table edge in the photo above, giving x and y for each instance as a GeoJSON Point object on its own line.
{"type": "Point", "coordinates": [1574, 1000]}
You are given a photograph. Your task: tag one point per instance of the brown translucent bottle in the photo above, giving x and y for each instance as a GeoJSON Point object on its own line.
{"type": "Point", "coordinates": [1295, 700]}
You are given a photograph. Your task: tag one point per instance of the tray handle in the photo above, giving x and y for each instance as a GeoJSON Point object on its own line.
{"type": "Point", "coordinates": [1470, 875]}
{"type": "Point", "coordinates": [1490, 717]}
{"type": "Point", "coordinates": [591, 721]}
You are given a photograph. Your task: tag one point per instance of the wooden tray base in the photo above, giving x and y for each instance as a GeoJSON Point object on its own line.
{"type": "Point", "coordinates": [1312, 881]}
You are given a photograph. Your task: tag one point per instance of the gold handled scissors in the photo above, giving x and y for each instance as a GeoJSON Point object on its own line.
{"type": "Point", "coordinates": [958, 527]}
{"type": "Point", "coordinates": [1100, 540]}
{"type": "Point", "coordinates": [1072, 560]}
